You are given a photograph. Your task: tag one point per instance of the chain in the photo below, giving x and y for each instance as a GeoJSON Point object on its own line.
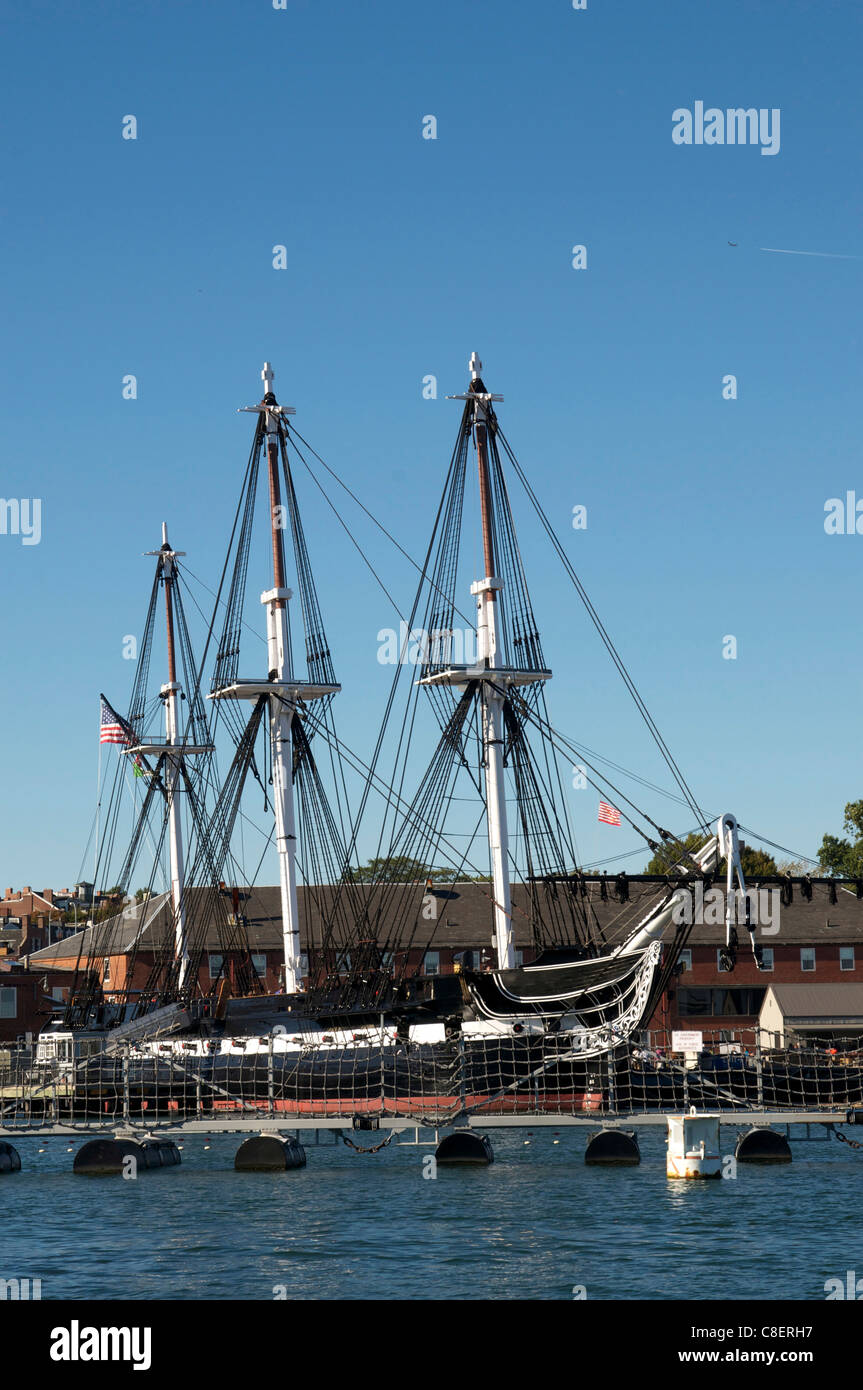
{"type": "Point", "coordinates": [852, 1143]}
{"type": "Point", "coordinates": [377, 1147]}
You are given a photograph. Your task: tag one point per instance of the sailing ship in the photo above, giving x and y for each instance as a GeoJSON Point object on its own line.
{"type": "Point", "coordinates": [361, 1022]}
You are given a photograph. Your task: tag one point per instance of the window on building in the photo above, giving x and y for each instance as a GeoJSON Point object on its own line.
{"type": "Point", "coordinates": [8, 1003]}
{"type": "Point", "coordinates": [807, 957]}
{"type": "Point", "coordinates": [215, 964]}
{"type": "Point", "coordinates": [686, 960]}
{"type": "Point", "coordinates": [694, 1001]}
{"type": "Point", "coordinates": [431, 962]}
{"type": "Point", "coordinates": [719, 964]}
{"type": "Point", "coordinates": [259, 961]}
{"type": "Point", "coordinates": [304, 965]}
{"type": "Point", "coordinates": [519, 957]}
{"type": "Point", "coordinates": [106, 969]}
{"type": "Point", "coordinates": [846, 957]}
{"type": "Point", "coordinates": [719, 1002]}
{"type": "Point", "coordinates": [766, 957]}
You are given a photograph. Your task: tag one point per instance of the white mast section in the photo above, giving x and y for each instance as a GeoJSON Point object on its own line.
{"type": "Point", "coordinates": [281, 711]}
{"type": "Point", "coordinates": [283, 691]}
{"type": "Point", "coordinates": [171, 693]}
{"type": "Point", "coordinates": [173, 778]}
{"type": "Point", "coordinates": [485, 590]}
{"type": "Point", "coordinates": [494, 679]}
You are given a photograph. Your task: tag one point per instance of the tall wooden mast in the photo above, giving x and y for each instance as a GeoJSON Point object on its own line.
{"type": "Point", "coordinates": [173, 771]}
{"type": "Point", "coordinates": [281, 711]}
{"type": "Point", "coordinates": [485, 591]}
{"type": "Point", "coordinates": [492, 676]}
{"type": "Point", "coordinates": [175, 749]}
{"type": "Point", "coordinates": [282, 689]}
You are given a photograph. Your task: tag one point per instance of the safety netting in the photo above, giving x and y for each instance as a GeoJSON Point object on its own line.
{"type": "Point", "coordinates": [530, 1075]}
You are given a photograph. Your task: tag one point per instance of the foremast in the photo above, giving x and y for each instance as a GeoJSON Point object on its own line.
{"type": "Point", "coordinates": [175, 749]}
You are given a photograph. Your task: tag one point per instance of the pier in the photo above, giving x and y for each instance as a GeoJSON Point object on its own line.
{"type": "Point", "coordinates": [397, 1091]}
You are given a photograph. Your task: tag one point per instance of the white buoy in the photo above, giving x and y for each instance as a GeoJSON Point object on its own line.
{"type": "Point", "coordinates": [693, 1146]}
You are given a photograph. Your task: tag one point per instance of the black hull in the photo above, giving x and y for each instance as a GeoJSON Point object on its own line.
{"type": "Point", "coordinates": [525, 1075]}
{"type": "Point", "coordinates": [361, 1075]}
{"type": "Point", "coordinates": [783, 1087]}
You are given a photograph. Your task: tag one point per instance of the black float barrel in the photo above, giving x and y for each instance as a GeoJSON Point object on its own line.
{"type": "Point", "coordinates": [464, 1147]}
{"type": "Point", "coordinates": [269, 1153]}
{"type": "Point", "coordinates": [10, 1159]}
{"type": "Point", "coordinates": [614, 1147]}
{"type": "Point", "coordinates": [762, 1145]}
{"type": "Point", "coordinates": [104, 1157]}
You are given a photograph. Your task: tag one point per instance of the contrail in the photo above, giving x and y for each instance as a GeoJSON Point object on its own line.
{"type": "Point", "coordinates": [830, 255]}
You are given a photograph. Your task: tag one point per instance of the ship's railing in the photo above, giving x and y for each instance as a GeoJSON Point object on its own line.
{"type": "Point", "coordinates": [542, 1076]}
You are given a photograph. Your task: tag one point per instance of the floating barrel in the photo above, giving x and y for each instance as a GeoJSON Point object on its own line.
{"type": "Point", "coordinates": [10, 1159]}
{"type": "Point", "coordinates": [269, 1153]}
{"type": "Point", "coordinates": [613, 1146]}
{"type": "Point", "coordinates": [101, 1157]}
{"type": "Point", "coordinates": [762, 1145]}
{"type": "Point", "coordinates": [464, 1147]}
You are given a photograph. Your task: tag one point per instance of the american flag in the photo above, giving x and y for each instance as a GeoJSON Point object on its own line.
{"type": "Point", "coordinates": [608, 814]}
{"type": "Point", "coordinates": [113, 728]}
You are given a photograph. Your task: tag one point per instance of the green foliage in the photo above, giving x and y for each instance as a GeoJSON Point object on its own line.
{"type": "Point", "coordinates": [670, 854]}
{"type": "Point", "coordinates": [400, 869]}
{"type": "Point", "coordinates": [843, 858]}
{"type": "Point", "coordinates": [756, 863]}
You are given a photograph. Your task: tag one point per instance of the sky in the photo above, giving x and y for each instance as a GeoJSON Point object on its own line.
{"type": "Point", "coordinates": [303, 127]}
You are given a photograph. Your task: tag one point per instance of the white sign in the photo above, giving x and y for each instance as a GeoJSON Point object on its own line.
{"type": "Point", "coordinates": [687, 1042]}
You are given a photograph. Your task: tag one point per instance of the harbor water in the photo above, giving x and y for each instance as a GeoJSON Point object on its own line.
{"type": "Point", "coordinates": [537, 1224]}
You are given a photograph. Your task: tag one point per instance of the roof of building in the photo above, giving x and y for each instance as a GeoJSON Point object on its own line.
{"type": "Point", "coordinates": [800, 1002]}
{"type": "Point", "coordinates": [8, 904]}
{"type": "Point", "coordinates": [460, 915]}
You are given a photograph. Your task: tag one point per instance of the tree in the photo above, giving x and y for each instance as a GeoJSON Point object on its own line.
{"type": "Point", "coordinates": [844, 858]}
{"type": "Point", "coordinates": [755, 863]}
{"type": "Point", "coordinates": [400, 869]}
{"type": "Point", "coordinates": [664, 861]}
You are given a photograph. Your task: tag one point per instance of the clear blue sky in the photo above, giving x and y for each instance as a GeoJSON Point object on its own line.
{"type": "Point", "coordinates": [303, 127]}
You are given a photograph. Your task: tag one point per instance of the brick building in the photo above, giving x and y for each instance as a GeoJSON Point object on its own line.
{"type": "Point", "coordinates": [27, 999]}
{"type": "Point", "coordinates": [819, 939]}
{"type": "Point", "coordinates": [817, 936]}
{"type": "Point", "coordinates": [31, 919]}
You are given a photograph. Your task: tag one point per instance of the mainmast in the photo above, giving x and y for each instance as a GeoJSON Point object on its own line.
{"type": "Point", "coordinates": [281, 713]}
{"type": "Point", "coordinates": [283, 691]}
{"type": "Point", "coordinates": [485, 590]}
{"type": "Point", "coordinates": [493, 677]}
